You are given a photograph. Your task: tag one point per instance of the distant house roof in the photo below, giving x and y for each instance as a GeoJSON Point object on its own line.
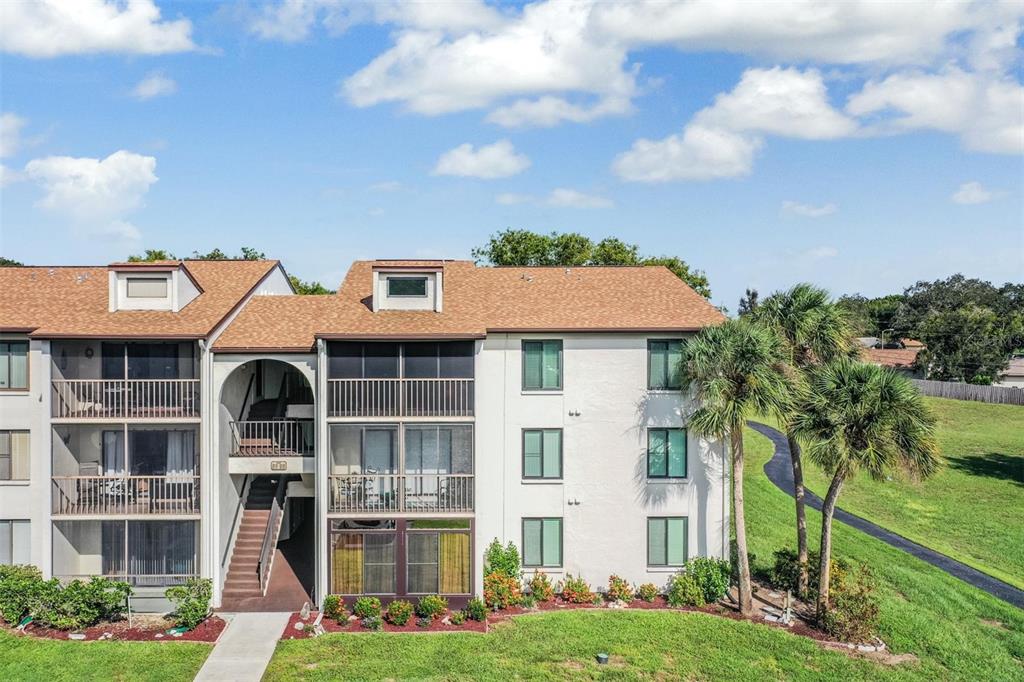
{"type": "Point", "coordinates": [478, 300]}
{"type": "Point", "coordinates": [1016, 368]}
{"type": "Point", "coordinates": [73, 301]}
{"type": "Point", "coordinates": [897, 358]}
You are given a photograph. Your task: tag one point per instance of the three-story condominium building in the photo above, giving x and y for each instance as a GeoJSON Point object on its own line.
{"type": "Point", "coordinates": [174, 419]}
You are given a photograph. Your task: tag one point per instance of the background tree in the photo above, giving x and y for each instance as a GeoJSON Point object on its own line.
{"type": "Point", "coordinates": [854, 416]}
{"type": "Point", "coordinates": [814, 331]}
{"type": "Point", "coordinates": [748, 302]}
{"type": "Point", "coordinates": [9, 263]}
{"type": "Point", "coordinates": [871, 316]}
{"type": "Point", "coordinates": [526, 248]}
{"type": "Point", "coordinates": [736, 370]}
{"type": "Point", "coordinates": [310, 288]}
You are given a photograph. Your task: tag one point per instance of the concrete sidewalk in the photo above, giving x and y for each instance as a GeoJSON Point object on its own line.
{"type": "Point", "coordinates": [244, 648]}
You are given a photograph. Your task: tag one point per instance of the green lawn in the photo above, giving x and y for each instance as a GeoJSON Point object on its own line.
{"type": "Point", "coordinates": [956, 631]}
{"type": "Point", "coordinates": [973, 509]}
{"type": "Point", "coordinates": [25, 658]}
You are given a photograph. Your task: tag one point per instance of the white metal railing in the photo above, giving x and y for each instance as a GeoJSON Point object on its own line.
{"type": "Point", "coordinates": [117, 495]}
{"type": "Point", "coordinates": [270, 533]}
{"type": "Point", "coordinates": [271, 438]}
{"type": "Point", "coordinates": [400, 397]}
{"type": "Point", "coordinates": [133, 579]}
{"type": "Point", "coordinates": [433, 493]}
{"type": "Point", "coordinates": [125, 398]}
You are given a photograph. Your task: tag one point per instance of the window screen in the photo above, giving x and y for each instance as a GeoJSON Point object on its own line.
{"type": "Point", "coordinates": [14, 542]}
{"type": "Point", "coordinates": [666, 453]}
{"type": "Point", "coordinates": [542, 365]}
{"type": "Point", "coordinates": [147, 287]}
{"type": "Point", "coordinates": [542, 453]}
{"type": "Point", "coordinates": [666, 541]}
{"type": "Point", "coordinates": [663, 364]}
{"type": "Point", "coordinates": [13, 364]}
{"type": "Point", "coordinates": [14, 456]}
{"type": "Point", "coordinates": [542, 542]}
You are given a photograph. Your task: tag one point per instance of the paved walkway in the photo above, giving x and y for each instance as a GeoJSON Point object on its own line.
{"type": "Point", "coordinates": [779, 471]}
{"type": "Point", "coordinates": [244, 648]}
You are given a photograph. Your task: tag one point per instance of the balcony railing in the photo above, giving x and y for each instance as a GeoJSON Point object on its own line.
{"type": "Point", "coordinates": [274, 438]}
{"type": "Point", "coordinates": [400, 397]}
{"type": "Point", "coordinates": [125, 398]}
{"type": "Point", "coordinates": [384, 493]}
{"type": "Point", "coordinates": [122, 495]}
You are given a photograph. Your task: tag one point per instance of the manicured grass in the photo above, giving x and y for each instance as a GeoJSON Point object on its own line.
{"type": "Point", "coordinates": [29, 658]}
{"type": "Point", "coordinates": [562, 645]}
{"type": "Point", "coordinates": [973, 508]}
{"type": "Point", "coordinates": [957, 631]}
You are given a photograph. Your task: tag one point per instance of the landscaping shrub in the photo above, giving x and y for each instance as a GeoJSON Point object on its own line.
{"type": "Point", "coordinates": [785, 572]}
{"type": "Point", "coordinates": [711, 576]}
{"type": "Point", "coordinates": [458, 618]}
{"type": "Point", "coordinates": [424, 622]}
{"type": "Point", "coordinates": [334, 607]}
{"type": "Point", "coordinates": [367, 607]}
{"type": "Point", "coordinates": [371, 623]}
{"type": "Point", "coordinates": [852, 615]}
{"type": "Point", "coordinates": [501, 591]}
{"type": "Point", "coordinates": [431, 606]}
{"type": "Point", "coordinates": [476, 609]}
{"type": "Point", "coordinates": [619, 589]}
{"type": "Point", "coordinates": [79, 604]}
{"type": "Point", "coordinates": [528, 601]}
{"type": "Point", "coordinates": [648, 592]}
{"type": "Point", "coordinates": [191, 601]}
{"type": "Point", "coordinates": [541, 587]}
{"type": "Point", "coordinates": [504, 560]}
{"type": "Point", "coordinates": [19, 586]}
{"type": "Point", "coordinates": [576, 590]}
{"type": "Point", "coordinates": [399, 612]}
{"type": "Point", "coordinates": [683, 590]}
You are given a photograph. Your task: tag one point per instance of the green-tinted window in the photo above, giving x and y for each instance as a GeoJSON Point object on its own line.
{"type": "Point", "coordinates": [666, 453]}
{"type": "Point", "coordinates": [666, 541]}
{"type": "Point", "coordinates": [13, 364]}
{"type": "Point", "coordinates": [542, 453]}
{"type": "Point", "coordinates": [407, 286]}
{"type": "Point", "coordinates": [542, 542]}
{"type": "Point", "coordinates": [542, 365]}
{"type": "Point", "coordinates": [663, 359]}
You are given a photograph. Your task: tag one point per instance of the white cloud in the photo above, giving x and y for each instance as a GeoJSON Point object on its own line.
{"type": "Point", "coordinates": [698, 153]}
{"type": "Point", "coordinates": [973, 193]}
{"type": "Point", "coordinates": [549, 111]}
{"type": "Point", "coordinates": [511, 198]}
{"type": "Point", "coordinates": [155, 84]}
{"type": "Point", "coordinates": [52, 28]}
{"type": "Point", "coordinates": [498, 160]}
{"type": "Point", "coordinates": [984, 109]}
{"type": "Point", "coordinates": [808, 210]}
{"type": "Point", "coordinates": [10, 134]}
{"type": "Point", "coordinates": [571, 198]}
{"type": "Point", "coordinates": [820, 253]}
{"type": "Point", "coordinates": [95, 193]}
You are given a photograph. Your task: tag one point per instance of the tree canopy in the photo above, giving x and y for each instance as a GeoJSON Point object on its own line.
{"type": "Point", "coordinates": [9, 263]}
{"type": "Point", "coordinates": [302, 287]}
{"type": "Point", "coordinates": [571, 249]}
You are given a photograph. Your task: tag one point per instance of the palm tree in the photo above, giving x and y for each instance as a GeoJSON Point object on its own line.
{"type": "Point", "coordinates": [854, 416]}
{"type": "Point", "coordinates": [735, 370]}
{"type": "Point", "coordinates": [815, 330]}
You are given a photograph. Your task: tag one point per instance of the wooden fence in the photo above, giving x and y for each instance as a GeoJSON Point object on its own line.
{"type": "Point", "coordinates": [957, 390]}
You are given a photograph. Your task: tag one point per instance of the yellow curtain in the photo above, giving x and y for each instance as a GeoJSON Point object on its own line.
{"type": "Point", "coordinates": [454, 559]}
{"type": "Point", "coordinates": [347, 564]}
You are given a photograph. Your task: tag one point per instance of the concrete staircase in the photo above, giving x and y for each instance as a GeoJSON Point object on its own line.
{"type": "Point", "coordinates": [242, 583]}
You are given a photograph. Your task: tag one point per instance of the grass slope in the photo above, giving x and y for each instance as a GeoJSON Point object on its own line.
{"type": "Point", "coordinates": [26, 658]}
{"type": "Point", "coordinates": [972, 508]}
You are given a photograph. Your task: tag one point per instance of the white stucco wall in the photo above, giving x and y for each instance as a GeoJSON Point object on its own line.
{"type": "Point", "coordinates": [604, 458]}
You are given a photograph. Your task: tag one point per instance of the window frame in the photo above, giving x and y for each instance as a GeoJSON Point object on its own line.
{"type": "Point", "coordinates": [9, 456]}
{"type": "Point", "coordinates": [7, 355]}
{"type": "Point", "coordinates": [686, 540]}
{"type": "Point", "coordinates": [543, 454]}
{"type": "Point", "coordinates": [11, 524]}
{"type": "Point", "coordinates": [166, 281]}
{"type": "Point", "coordinates": [407, 278]}
{"type": "Point", "coordinates": [561, 365]}
{"type": "Point", "coordinates": [668, 453]}
{"type": "Point", "coordinates": [561, 540]}
{"type": "Point", "coordinates": [650, 360]}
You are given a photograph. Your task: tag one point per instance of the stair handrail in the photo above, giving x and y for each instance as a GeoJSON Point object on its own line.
{"type": "Point", "coordinates": [234, 521]}
{"type": "Point", "coordinates": [270, 535]}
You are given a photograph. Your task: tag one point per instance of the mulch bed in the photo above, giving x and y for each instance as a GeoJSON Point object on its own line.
{"type": "Point", "coordinates": [331, 625]}
{"type": "Point", "coordinates": [145, 629]}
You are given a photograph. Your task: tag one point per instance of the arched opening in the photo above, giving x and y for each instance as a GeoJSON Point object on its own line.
{"type": "Point", "coordinates": [266, 443]}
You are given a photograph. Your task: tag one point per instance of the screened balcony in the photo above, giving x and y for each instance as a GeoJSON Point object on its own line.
{"type": "Point", "coordinates": [125, 380]}
{"type": "Point", "coordinates": [271, 405]}
{"type": "Point", "coordinates": [125, 471]}
{"type": "Point", "coordinates": [142, 553]}
{"type": "Point", "coordinates": [415, 379]}
{"type": "Point", "coordinates": [371, 473]}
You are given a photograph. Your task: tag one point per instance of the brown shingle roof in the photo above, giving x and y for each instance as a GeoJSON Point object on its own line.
{"type": "Point", "coordinates": [73, 301]}
{"type": "Point", "coordinates": [478, 300]}
{"type": "Point", "coordinates": [891, 357]}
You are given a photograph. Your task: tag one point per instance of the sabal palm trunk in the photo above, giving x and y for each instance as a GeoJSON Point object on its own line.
{"type": "Point", "coordinates": [828, 509]}
{"type": "Point", "coordinates": [801, 515]}
{"type": "Point", "coordinates": [746, 597]}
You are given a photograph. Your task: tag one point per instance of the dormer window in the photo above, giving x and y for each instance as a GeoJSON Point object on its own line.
{"type": "Point", "coordinates": [146, 287]}
{"type": "Point", "coordinates": [407, 286]}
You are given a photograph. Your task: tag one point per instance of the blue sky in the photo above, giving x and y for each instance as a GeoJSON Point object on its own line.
{"type": "Point", "coordinates": [873, 149]}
